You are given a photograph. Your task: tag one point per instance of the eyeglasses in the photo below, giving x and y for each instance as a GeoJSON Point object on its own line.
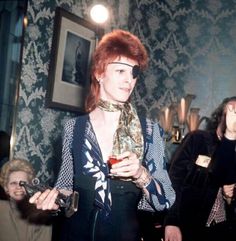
{"type": "Point", "coordinates": [135, 69]}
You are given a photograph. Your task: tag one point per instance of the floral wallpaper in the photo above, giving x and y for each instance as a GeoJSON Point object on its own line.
{"type": "Point", "coordinates": [192, 49]}
{"type": "Point", "coordinates": [191, 45]}
{"type": "Point", "coordinates": [38, 129]}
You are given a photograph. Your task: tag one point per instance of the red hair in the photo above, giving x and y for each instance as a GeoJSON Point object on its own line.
{"type": "Point", "coordinates": [118, 43]}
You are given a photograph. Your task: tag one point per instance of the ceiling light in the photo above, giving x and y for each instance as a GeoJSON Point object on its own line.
{"type": "Point", "coordinates": [99, 13]}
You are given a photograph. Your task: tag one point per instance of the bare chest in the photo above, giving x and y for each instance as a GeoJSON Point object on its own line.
{"type": "Point", "coordinates": [104, 135]}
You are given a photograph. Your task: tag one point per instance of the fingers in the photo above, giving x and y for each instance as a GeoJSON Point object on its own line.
{"type": "Point", "coordinates": [128, 158]}
{"type": "Point", "coordinates": [49, 203]}
{"type": "Point", "coordinates": [228, 190]}
{"type": "Point", "coordinates": [128, 167]}
{"type": "Point", "coordinates": [172, 233]}
{"type": "Point", "coordinates": [45, 200]}
{"type": "Point", "coordinates": [34, 198]}
{"type": "Point", "coordinates": [124, 157]}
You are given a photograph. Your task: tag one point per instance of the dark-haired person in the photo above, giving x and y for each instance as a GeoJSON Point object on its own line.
{"type": "Point", "coordinates": [109, 198]}
{"type": "Point", "coordinates": [203, 174]}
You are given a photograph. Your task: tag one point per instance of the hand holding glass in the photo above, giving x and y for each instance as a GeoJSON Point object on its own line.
{"type": "Point", "coordinates": [113, 160]}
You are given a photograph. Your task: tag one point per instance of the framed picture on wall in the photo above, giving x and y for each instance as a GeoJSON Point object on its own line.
{"type": "Point", "coordinates": [74, 40]}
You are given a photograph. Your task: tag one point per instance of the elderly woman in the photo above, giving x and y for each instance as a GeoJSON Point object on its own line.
{"type": "Point", "coordinates": [203, 173]}
{"type": "Point", "coordinates": [20, 221]}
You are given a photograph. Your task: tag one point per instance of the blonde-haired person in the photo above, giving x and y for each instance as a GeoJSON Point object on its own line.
{"type": "Point", "coordinates": [19, 220]}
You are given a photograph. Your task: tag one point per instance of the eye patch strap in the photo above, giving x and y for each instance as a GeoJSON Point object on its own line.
{"type": "Point", "coordinates": [135, 69]}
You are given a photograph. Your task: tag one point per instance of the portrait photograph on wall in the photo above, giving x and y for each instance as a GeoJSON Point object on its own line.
{"type": "Point", "coordinates": [74, 40]}
{"type": "Point", "coordinates": [75, 65]}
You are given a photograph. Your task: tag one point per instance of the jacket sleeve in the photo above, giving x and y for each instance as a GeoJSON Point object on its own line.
{"type": "Point", "coordinates": [156, 163]}
{"type": "Point", "coordinates": [179, 168]}
{"type": "Point", "coordinates": [65, 177]}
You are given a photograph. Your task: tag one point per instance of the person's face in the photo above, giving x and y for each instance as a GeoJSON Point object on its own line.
{"type": "Point", "coordinates": [13, 189]}
{"type": "Point", "coordinates": [231, 116]}
{"type": "Point", "coordinates": [117, 82]}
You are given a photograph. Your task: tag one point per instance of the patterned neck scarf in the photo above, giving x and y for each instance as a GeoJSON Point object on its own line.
{"type": "Point", "coordinates": [128, 136]}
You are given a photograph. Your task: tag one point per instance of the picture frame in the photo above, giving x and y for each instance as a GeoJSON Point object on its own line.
{"type": "Point", "coordinates": [74, 40]}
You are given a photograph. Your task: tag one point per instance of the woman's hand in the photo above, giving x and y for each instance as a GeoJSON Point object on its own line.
{"type": "Point", "coordinates": [228, 190]}
{"type": "Point", "coordinates": [172, 233]}
{"type": "Point", "coordinates": [130, 166]}
{"type": "Point", "coordinates": [45, 200]}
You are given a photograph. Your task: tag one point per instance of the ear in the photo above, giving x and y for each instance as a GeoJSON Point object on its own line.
{"type": "Point", "coordinates": [99, 77]}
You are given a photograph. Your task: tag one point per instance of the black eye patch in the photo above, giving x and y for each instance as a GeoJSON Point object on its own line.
{"type": "Point", "coordinates": [135, 71]}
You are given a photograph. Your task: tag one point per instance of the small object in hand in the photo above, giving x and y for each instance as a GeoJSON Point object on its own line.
{"type": "Point", "coordinates": [70, 203]}
{"type": "Point", "coordinates": [113, 160]}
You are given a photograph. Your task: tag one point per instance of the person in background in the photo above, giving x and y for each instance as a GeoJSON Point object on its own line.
{"type": "Point", "coordinates": [109, 195]}
{"type": "Point", "coordinates": [203, 174]}
{"type": "Point", "coordinates": [4, 155]}
{"type": "Point", "coordinates": [19, 220]}
{"type": "Point", "coordinates": [4, 147]}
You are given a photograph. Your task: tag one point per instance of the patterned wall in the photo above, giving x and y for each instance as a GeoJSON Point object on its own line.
{"type": "Point", "coordinates": [191, 45]}
{"type": "Point", "coordinates": [38, 129]}
{"type": "Point", "coordinates": [192, 49]}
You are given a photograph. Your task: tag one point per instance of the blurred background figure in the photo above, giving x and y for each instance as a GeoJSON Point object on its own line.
{"type": "Point", "coordinates": [19, 220]}
{"type": "Point", "coordinates": [4, 155]}
{"type": "Point", "coordinates": [203, 174]}
{"type": "Point", "coordinates": [4, 147]}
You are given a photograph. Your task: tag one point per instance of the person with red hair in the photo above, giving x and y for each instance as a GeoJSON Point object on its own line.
{"type": "Point", "coordinates": [110, 194]}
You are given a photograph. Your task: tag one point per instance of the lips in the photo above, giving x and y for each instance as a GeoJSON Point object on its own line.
{"type": "Point", "coordinates": [126, 90]}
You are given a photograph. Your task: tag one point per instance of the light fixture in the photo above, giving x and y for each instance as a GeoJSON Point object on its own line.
{"type": "Point", "coordinates": [99, 13]}
{"type": "Point", "coordinates": [25, 21]}
{"type": "Point", "coordinates": [166, 121]}
{"type": "Point", "coordinates": [175, 118]}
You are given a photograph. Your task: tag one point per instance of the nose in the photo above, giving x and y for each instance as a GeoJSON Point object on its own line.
{"type": "Point", "coordinates": [129, 77]}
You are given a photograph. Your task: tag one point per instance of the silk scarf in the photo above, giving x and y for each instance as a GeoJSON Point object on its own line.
{"type": "Point", "coordinates": [128, 135]}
